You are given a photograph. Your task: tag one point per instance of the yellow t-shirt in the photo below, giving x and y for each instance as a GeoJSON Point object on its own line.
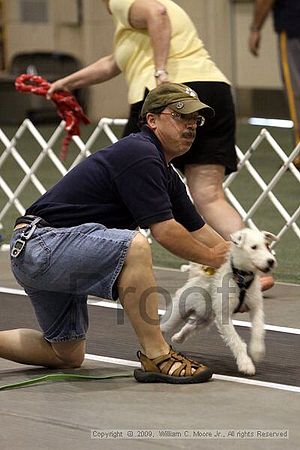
{"type": "Point", "coordinates": [188, 59]}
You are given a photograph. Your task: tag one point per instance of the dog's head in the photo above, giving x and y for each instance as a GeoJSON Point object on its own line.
{"type": "Point", "coordinates": [251, 250]}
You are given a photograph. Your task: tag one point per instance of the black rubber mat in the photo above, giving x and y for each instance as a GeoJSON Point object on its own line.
{"type": "Point", "coordinates": [111, 335]}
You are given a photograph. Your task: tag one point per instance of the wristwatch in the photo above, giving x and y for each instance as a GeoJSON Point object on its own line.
{"type": "Point", "coordinates": [159, 72]}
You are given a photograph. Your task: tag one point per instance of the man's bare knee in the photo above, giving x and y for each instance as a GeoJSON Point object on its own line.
{"type": "Point", "coordinates": [72, 363]}
{"type": "Point", "coordinates": [69, 362]}
{"type": "Point", "coordinates": [139, 251]}
{"type": "Point", "coordinates": [70, 354]}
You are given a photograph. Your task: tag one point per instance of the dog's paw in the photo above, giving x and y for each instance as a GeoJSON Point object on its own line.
{"type": "Point", "coordinates": [246, 366]}
{"type": "Point", "coordinates": [177, 338]}
{"type": "Point", "coordinates": [257, 351]}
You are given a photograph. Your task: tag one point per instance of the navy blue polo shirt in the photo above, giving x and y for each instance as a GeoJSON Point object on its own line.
{"type": "Point", "coordinates": [125, 185]}
{"type": "Point", "coordinates": [287, 17]}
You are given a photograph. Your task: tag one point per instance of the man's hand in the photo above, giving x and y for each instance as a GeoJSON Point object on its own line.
{"type": "Point", "coordinates": [261, 11]}
{"type": "Point", "coordinates": [219, 253]}
{"type": "Point", "coordinates": [254, 42]}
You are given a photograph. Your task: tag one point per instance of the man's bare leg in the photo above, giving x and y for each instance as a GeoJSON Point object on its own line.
{"type": "Point", "coordinates": [27, 346]}
{"type": "Point", "coordinates": [138, 295]}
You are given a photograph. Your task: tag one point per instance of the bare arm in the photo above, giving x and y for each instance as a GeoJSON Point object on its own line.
{"type": "Point", "coordinates": [153, 16]}
{"type": "Point", "coordinates": [260, 13]}
{"type": "Point", "coordinates": [102, 70]}
{"type": "Point", "coordinates": [208, 236]}
{"type": "Point", "coordinates": [202, 246]}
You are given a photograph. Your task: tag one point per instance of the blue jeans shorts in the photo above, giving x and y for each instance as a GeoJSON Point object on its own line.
{"type": "Point", "coordinates": [60, 267]}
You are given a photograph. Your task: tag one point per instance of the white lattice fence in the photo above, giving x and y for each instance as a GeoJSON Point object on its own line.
{"type": "Point", "coordinates": [267, 188]}
{"type": "Point", "coordinates": [11, 150]}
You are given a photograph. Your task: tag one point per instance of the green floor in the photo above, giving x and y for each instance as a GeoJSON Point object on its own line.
{"type": "Point", "coordinates": [243, 187]}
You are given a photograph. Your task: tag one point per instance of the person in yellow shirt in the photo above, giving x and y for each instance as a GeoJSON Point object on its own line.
{"type": "Point", "coordinates": [155, 42]}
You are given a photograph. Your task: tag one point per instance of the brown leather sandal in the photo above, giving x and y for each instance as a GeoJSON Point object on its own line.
{"type": "Point", "coordinates": [157, 370]}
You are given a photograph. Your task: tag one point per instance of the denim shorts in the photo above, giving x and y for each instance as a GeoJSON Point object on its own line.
{"type": "Point", "coordinates": [60, 267]}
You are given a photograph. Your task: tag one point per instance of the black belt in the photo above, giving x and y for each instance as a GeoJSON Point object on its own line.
{"type": "Point", "coordinates": [29, 219]}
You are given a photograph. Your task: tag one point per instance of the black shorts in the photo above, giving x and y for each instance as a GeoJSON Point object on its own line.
{"type": "Point", "coordinates": [215, 141]}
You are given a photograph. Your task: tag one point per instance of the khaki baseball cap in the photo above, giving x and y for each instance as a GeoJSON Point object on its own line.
{"type": "Point", "coordinates": [178, 97]}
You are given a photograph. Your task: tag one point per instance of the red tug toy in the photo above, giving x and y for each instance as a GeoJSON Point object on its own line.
{"type": "Point", "coordinates": [67, 106]}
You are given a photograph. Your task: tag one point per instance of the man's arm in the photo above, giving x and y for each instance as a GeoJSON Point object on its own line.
{"type": "Point", "coordinates": [102, 70]}
{"type": "Point", "coordinates": [260, 13]}
{"type": "Point", "coordinates": [207, 236]}
{"type": "Point", "coordinates": [202, 246]}
{"type": "Point", "coordinates": [153, 16]}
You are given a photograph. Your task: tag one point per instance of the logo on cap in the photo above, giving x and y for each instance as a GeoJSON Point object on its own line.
{"type": "Point", "coordinates": [190, 92]}
{"type": "Point", "coordinates": [179, 105]}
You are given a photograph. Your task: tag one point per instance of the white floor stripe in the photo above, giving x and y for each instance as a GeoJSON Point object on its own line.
{"type": "Point", "coordinates": [241, 323]}
{"type": "Point", "coordinates": [171, 269]}
{"type": "Point", "coordinates": [119, 362]}
{"type": "Point", "coordinates": [113, 305]}
{"type": "Point", "coordinates": [283, 387]}
{"type": "Point", "coordinates": [4, 290]}
{"type": "Point", "coordinates": [104, 303]}
{"type": "Point", "coordinates": [125, 362]}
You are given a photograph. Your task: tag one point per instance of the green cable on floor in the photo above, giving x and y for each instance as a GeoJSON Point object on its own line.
{"type": "Point", "coordinates": [62, 377]}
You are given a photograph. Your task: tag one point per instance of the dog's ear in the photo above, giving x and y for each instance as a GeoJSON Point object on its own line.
{"type": "Point", "coordinates": [269, 237]}
{"type": "Point", "coordinates": [238, 238]}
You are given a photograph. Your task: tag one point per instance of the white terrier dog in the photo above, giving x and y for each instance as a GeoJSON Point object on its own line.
{"type": "Point", "coordinates": [232, 288]}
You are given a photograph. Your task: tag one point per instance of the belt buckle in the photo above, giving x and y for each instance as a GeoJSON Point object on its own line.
{"type": "Point", "coordinates": [17, 247]}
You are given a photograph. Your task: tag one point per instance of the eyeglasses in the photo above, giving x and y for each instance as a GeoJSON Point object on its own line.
{"type": "Point", "coordinates": [199, 120]}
